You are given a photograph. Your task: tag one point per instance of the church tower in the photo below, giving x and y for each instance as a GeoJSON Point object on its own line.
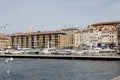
{"type": "Point", "coordinates": [30, 29]}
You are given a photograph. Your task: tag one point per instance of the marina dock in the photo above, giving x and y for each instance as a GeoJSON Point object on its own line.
{"type": "Point", "coordinates": [61, 57]}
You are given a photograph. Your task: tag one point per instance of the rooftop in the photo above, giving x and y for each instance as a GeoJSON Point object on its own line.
{"type": "Point", "coordinates": [38, 32]}
{"type": "Point", "coordinates": [3, 36]}
{"type": "Point", "coordinates": [106, 23]}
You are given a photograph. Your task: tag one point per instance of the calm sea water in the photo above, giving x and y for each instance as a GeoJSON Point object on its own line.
{"type": "Point", "coordinates": [58, 69]}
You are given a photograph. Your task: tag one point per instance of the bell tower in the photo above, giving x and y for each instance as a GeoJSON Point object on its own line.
{"type": "Point", "coordinates": [30, 28]}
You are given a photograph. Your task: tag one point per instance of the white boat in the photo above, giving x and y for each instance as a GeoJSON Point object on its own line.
{"type": "Point", "coordinates": [2, 52]}
{"type": "Point", "coordinates": [64, 51]}
{"type": "Point", "coordinates": [29, 51]}
{"type": "Point", "coordinates": [19, 51]}
{"type": "Point", "coordinates": [96, 50]}
{"type": "Point", "coordinates": [106, 51]}
{"type": "Point", "coordinates": [80, 51]}
{"type": "Point", "coordinates": [48, 51]}
{"type": "Point", "coordinates": [44, 51]}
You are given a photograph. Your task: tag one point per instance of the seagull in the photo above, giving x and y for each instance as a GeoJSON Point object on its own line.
{"type": "Point", "coordinates": [8, 59]}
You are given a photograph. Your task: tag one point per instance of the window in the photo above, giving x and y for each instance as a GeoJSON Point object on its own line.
{"type": "Point", "coordinates": [32, 41]}
{"type": "Point", "coordinates": [50, 38]}
{"type": "Point", "coordinates": [12, 41]}
{"type": "Point", "coordinates": [26, 41]}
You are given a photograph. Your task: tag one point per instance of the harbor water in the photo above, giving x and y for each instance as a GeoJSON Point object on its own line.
{"type": "Point", "coordinates": [58, 69]}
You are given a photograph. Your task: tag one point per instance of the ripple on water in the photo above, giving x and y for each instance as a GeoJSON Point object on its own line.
{"type": "Point", "coordinates": [53, 69]}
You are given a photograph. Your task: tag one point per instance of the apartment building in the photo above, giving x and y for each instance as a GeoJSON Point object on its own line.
{"type": "Point", "coordinates": [4, 41]}
{"type": "Point", "coordinates": [98, 34]}
{"type": "Point", "coordinates": [106, 32]}
{"type": "Point", "coordinates": [72, 38]}
{"type": "Point", "coordinates": [67, 38]}
{"type": "Point", "coordinates": [118, 35]}
{"type": "Point", "coordinates": [38, 39]}
{"type": "Point", "coordinates": [77, 38]}
{"type": "Point", "coordinates": [84, 40]}
{"type": "Point", "coordinates": [101, 33]}
{"type": "Point", "coordinates": [90, 36]}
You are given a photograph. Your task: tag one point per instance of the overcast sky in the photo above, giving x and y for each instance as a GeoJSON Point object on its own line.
{"type": "Point", "coordinates": [55, 14]}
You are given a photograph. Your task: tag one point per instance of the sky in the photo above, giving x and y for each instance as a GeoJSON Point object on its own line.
{"type": "Point", "coordinates": [45, 15]}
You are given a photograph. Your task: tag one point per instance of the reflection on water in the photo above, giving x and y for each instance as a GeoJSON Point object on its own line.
{"type": "Point", "coordinates": [53, 69]}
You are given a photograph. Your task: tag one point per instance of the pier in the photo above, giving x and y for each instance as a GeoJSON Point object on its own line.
{"type": "Point", "coordinates": [61, 57]}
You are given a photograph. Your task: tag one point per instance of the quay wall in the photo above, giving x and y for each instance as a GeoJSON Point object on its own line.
{"type": "Point", "coordinates": [60, 57]}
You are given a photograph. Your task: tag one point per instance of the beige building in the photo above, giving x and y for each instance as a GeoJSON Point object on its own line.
{"type": "Point", "coordinates": [84, 40]}
{"type": "Point", "coordinates": [38, 39]}
{"type": "Point", "coordinates": [90, 36]}
{"type": "Point", "coordinates": [118, 34]}
{"type": "Point", "coordinates": [77, 39]}
{"type": "Point", "coordinates": [67, 38]}
{"type": "Point", "coordinates": [4, 41]}
{"type": "Point", "coordinates": [101, 33]}
{"type": "Point", "coordinates": [106, 32]}
{"type": "Point", "coordinates": [98, 34]}
{"type": "Point", "coordinates": [72, 38]}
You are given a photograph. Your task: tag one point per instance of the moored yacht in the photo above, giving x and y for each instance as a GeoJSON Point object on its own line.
{"type": "Point", "coordinates": [48, 51]}
{"type": "Point", "coordinates": [64, 51]}
{"type": "Point", "coordinates": [105, 51]}
{"type": "Point", "coordinates": [79, 51]}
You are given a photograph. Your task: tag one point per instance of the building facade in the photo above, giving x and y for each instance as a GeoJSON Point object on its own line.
{"type": "Point", "coordinates": [101, 33]}
{"type": "Point", "coordinates": [84, 40]}
{"type": "Point", "coordinates": [98, 34]}
{"type": "Point", "coordinates": [4, 41]}
{"type": "Point", "coordinates": [67, 38]}
{"type": "Point", "coordinates": [118, 35]}
{"type": "Point", "coordinates": [106, 32]}
{"type": "Point", "coordinates": [38, 39]}
{"type": "Point", "coordinates": [72, 38]}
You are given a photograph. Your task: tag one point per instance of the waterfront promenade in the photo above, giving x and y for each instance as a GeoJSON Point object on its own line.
{"type": "Point", "coordinates": [61, 56]}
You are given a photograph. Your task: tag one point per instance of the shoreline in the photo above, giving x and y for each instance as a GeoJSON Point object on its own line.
{"type": "Point", "coordinates": [60, 57]}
